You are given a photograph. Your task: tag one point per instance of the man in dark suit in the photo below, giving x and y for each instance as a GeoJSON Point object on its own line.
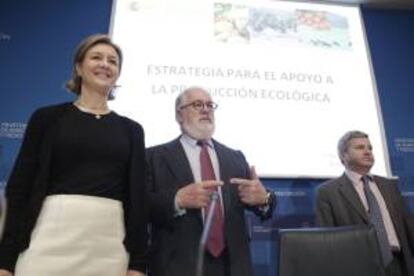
{"type": "Point", "coordinates": [360, 198]}
{"type": "Point", "coordinates": [180, 192]}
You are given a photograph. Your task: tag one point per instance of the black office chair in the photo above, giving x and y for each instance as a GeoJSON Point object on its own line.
{"type": "Point", "coordinates": [339, 251]}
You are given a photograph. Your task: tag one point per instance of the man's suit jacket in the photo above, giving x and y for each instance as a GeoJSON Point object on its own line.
{"type": "Point", "coordinates": [338, 204]}
{"type": "Point", "coordinates": [175, 239]}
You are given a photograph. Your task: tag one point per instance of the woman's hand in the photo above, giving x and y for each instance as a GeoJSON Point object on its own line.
{"type": "Point", "coordinates": [129, 273]}
{"type": "Point", "coordinates": [4, 272]}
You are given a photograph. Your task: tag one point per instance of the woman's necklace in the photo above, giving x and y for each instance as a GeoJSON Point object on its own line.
{"type": "Point", "coordinates": [97, 111]}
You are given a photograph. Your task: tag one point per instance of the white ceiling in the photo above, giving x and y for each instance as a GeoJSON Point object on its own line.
{"type": "Point", "coordinates": [389, 4]}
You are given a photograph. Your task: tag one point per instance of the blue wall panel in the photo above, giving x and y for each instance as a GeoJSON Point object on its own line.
{"type": "Point", "coordinates": [391, 37]}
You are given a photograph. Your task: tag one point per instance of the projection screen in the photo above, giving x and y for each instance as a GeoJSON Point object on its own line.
{"type": "Point", "coordinates": [290, 78]}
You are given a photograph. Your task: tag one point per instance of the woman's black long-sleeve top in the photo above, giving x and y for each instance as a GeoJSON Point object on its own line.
{"type": "Point", "coordinates": [29, 184]}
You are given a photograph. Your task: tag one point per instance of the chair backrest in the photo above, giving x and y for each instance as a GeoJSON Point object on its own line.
{"type": "Point", "coordinates": [338, 251]}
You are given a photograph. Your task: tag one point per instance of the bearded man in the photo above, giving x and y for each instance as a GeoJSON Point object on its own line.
{"type": "Point", "coordinates": [182, 177]}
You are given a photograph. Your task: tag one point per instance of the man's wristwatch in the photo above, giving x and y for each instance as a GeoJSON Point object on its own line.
{"type": "Point", "coordinates": [269, 198]}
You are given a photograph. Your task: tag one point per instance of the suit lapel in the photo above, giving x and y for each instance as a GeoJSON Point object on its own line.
{"type": "Point", "coordinates": [178, 162]}
{"type": "Point", "coordinates": [350, 194]}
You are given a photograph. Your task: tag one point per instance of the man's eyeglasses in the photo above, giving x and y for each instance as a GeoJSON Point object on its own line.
{"type": "Point", "coordinates": [199, 105]}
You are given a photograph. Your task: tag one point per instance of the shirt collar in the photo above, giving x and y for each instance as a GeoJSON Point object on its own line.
{"type": "Point", "coordinates": [193, 142]}
{"type": "Point", "coordinates": [355, 177]}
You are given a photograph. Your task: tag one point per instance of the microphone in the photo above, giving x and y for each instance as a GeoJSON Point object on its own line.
{"type": "Point", "coordinates": [206, 231]}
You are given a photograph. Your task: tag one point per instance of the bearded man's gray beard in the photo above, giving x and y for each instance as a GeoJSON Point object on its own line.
{"type": "Point", "coordinates": [200, 131]}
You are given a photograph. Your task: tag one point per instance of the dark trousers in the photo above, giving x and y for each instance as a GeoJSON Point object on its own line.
{"type": "Point", "coordinates": [217, 266]}
{"type": "Point", "coordinates": [397, 266]}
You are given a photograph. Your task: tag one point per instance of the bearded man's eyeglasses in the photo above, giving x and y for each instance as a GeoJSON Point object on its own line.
{"type": "Point", "coordinates": [200, 105]}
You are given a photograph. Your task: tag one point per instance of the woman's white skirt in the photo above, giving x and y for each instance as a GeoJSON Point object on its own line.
{"type": "Point", "coordinates": [76, 235]}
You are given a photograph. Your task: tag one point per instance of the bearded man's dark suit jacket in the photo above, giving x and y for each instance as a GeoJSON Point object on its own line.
{"type": "Point", "coordinates": [338, 204]}
{"type": "Point", "coordinates": [175, 240]}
